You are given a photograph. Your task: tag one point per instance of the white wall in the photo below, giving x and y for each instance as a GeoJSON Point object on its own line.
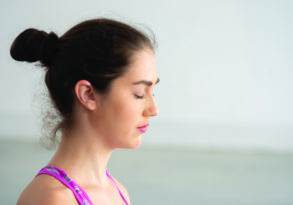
{"type": "Point", "coordinates": [225, 67]}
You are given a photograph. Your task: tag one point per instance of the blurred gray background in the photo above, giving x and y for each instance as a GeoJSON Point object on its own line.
{"type": "Point", "coordinates": [224, 134]}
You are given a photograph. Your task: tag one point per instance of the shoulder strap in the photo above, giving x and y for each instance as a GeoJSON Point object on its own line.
{"type": "Point", "coordinates": [115, 184]}
{"type": "Point", "coordinates": [59, 174]}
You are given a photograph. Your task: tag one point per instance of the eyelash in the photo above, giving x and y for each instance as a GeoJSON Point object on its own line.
{"type": "Point", "coordinates": [140, 97]}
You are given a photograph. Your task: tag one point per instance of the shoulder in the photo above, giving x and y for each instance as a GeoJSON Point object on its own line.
{"type": "Point", "coordinates": [123, 190]}
{"type": "Point", "coordinates": [46, 190]}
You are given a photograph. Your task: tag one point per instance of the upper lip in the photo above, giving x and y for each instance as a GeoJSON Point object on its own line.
{"type": "Point", "coordinates": [144, 125]}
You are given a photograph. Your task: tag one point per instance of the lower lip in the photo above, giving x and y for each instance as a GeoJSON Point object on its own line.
{"type": "Point", "coordinates": [143, 129]}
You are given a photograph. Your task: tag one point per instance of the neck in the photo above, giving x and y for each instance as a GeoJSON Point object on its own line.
{"type": "Point", "coordinates": [84, 158]}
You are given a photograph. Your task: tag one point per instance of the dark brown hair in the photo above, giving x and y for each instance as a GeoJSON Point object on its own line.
{"type": "Point", "coordinates": [97, 50]}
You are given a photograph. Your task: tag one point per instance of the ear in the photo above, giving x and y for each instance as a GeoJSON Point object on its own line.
{"type": "Point", "coordinates": [86, 94]}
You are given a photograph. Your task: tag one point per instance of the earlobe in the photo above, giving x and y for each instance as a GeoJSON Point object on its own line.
{"type": "Point", "coordinates": [85, 94]}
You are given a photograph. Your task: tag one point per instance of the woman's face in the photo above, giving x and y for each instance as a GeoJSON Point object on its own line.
{"type": "Point", "coordinates": [130, 103]}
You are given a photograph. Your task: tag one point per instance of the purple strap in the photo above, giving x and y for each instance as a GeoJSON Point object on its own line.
{"type": "Point", "coordinates": [115, 184]}
{"type": "Point", "coordinates": [80, 195]}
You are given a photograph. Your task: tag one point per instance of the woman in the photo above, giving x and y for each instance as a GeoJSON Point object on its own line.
{"type": "Point", "coordinates": [100, 76]}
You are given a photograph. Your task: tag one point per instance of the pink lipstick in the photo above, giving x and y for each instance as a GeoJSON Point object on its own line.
{"type": "Point", "coordinates": [143, 129]}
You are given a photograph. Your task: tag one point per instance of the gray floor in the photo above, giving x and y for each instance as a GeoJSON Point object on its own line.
{"type": "Point", "coordinates": [170, 175]}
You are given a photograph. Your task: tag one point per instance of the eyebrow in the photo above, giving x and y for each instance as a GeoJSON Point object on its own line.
{"type": "Point", "coordinates": [146, 82]}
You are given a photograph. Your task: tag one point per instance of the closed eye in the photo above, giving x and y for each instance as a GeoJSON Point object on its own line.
{"type": "Point", "coordinates": [139, 96]}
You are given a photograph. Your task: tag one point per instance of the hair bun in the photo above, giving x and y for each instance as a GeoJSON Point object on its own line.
{"type": "Point", "coordinates": [33, 45]}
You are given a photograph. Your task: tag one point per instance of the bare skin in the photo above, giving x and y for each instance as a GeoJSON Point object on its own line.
{"type": "Point", "coordinates": [102, 123]}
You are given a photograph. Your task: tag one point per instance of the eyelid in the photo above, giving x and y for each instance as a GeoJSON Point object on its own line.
{"type": "Point", "coordinates": [141, 96]}
{"type": "Point", "coordinates": [138, 96]}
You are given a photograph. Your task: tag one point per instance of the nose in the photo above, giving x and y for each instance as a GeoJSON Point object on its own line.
{"type": "Point", "coordinates": [151, 109]}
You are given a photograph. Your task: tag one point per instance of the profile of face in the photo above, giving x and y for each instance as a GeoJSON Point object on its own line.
{"type": "Point", "coordinates": [129, 104]}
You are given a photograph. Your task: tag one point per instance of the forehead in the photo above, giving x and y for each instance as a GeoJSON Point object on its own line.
{"type": "Point", "coordinates": [142, 67]}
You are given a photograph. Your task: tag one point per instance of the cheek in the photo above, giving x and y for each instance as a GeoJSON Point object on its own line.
{"type": "Point", "coordinates": [123, 112]}
{"type": "Point", "coordinates": [127, 111]}
{"type": "Point", "coordinates": [125, 117]}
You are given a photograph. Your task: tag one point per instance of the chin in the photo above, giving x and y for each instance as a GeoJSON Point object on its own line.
{"type": "Point", "coordinates": [131, 143]}
{"type": "Point", "coordinates": [135, 144]}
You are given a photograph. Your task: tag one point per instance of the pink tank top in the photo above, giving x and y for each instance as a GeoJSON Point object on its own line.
{"type": "Point", "coordinates": [80, 195]}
